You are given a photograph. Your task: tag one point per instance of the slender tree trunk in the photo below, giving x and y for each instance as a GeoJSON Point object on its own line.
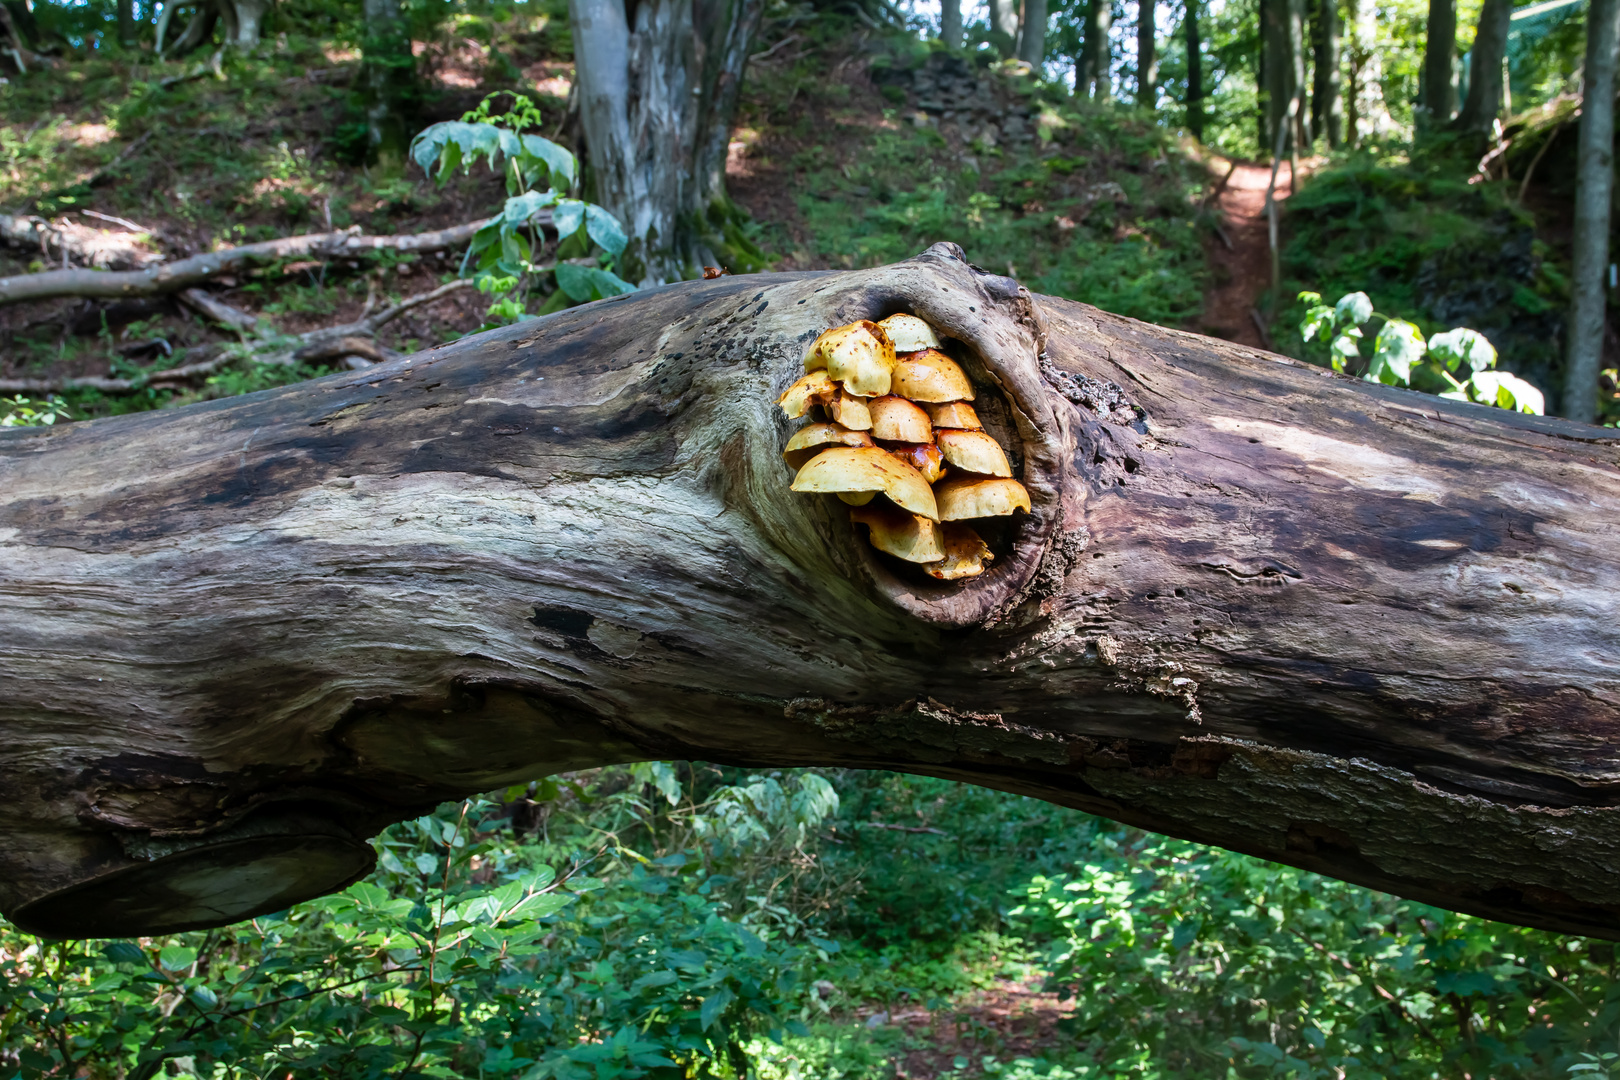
{"type": "Point", "coordinates": [1327, 111]}
{"type": "Point", "coordinates": [1032, 38]}
{"type": "Point", "coordinates": [1300, 136]}
{"type": "Point", "coordinates": [1004, 24]}
{"type": "Point", "coordinates": [1438, 92]}
{"type": "Point", "coordinates": [1594, 193]}
{"type": "Point", "coordinates": [1341, 626]}
{"type": "Point", "coordinates": [950, 23]}
{"type": "Point", "coordinates": [1147, 58]}
{"type": "Point", "coordinates": [1195, 70]}
{"type": "Point", "coordinates": [1277, 68]}
{"type": "Point", "coordinates": [1098, 51]}
{"type": "Point", "coordinates": [1484, 104]}
{"type": "Point", "coordinates": [249, 20]}
{"type": "Point", "coordinates": [656, 102]}
{"type": "Point", "coordinates": [388, 82]}
{"type": "Point", "coordinates": [126, 22]}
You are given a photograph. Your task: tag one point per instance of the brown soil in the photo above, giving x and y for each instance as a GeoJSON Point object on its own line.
{"type": "Point", "coordinates": [1240, 254]}
{"type": "Point", "coordinates": [1009, 1020]}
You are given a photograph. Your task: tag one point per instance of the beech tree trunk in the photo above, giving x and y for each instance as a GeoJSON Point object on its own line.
{"type": "Point", "coordinates": [950, 23]}
{"type": "Point", "coordinates": [658, 86]}
{"type": "Point", "coordinates": [1438, 93]}
{"type": "Point", "coordinates": [1485, 83]}
{"type": "Point", "coordinates": [1032, 35]}
{"type": "Point", "coordinates": [1327, 106]}
{"type": "Point", "coordinates": [1095, 78]}
{"type": "Point", "coordinates": [1594, 194]}
{"type": "Point", "coordinates": [1195, 70]}
{"type": "Point", "coordinates": [1004, 20]}
{"type": "Point", "coordinates": [1147, 60]}
{"type": "Point", "coordinates": [387, 82]}
{"type": "Point", "coordinates": [1356, 629]}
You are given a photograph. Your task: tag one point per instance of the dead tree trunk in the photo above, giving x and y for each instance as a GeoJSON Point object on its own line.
{"type": "Point", "coordinates": [1356, 629]}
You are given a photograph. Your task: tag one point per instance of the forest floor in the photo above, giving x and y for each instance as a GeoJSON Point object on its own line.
{"type": "Point", "coordinates": [1240, 254]}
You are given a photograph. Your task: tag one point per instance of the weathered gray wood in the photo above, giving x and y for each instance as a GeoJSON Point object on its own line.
{"type": "Point", "coordinates": [1355, 629]}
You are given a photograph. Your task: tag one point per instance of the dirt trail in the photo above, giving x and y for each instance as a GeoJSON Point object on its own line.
{"type": "Point", "coordinates": [1241, 254]}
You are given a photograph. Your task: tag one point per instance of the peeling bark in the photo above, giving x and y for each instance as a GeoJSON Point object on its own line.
{"type": "Point", "coordinates": [1351, 628]}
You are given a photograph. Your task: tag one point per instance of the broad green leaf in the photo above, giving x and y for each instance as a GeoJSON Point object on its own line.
{"type": "Point", "coordinates": [1399, 345]}
{"type": "Point", "coordinates": [559, 161]}
{"type": "Point", "coordinates": [714, 1005]}
{"type": "Point", "coordinates": [1312, 298]}
{"type": "Point", "coordinates": [1505, 390]}
{"type": "Point", "coordinates": [586, 283]}
{"type": "Point", "coordinates": [204, 997]}
{"type": "Point", "coordinates": [521, 208]}
{"type": "Point", "coordinates": [176, 957]}
{"type": "Point", "coordinates": [568, 217]}
{"type": "Point", "coordinates": [1354, 308]}
{"type": "Point", "coordinates": [1318, 320]}
{"type": "Point", "coordinates": [605, 229]}
{"type": "Point", "coordinates": [124, 952]}
{"type": "Point", "coordinates": [1462, 346]}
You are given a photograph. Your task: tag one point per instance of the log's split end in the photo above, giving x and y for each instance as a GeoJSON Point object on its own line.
{"type": "Point", "coordinates": [239, 638]}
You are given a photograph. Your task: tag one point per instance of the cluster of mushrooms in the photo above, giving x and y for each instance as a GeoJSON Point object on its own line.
{"type": "Point", "coordinates": [896, 437]}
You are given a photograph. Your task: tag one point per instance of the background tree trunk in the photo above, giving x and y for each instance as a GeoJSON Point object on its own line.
{"type": "Point", "coordinates": [1327, 107]}
{"type": "Point", "coordinates": [1594, 192]}
{"type": "Point", "coordinates": [1032, 35]}
{"type": "Point", "coordinates": [1195, 71]}
{"type": "Point", "coordinates": [1277, 82]}
{"type": "Point", "coordinates": [950, 23]}
{"type": "Point", "coordinates": [656, 99]}
{"type": "Point", "coordinates": [1147, 60]}
{"type": "Point", "coordinates": [1356, 629]}
{"type": "Point", "coordinates": [1004, 25]}
{"type": "Point", "coordinates": [1097, 52]}
{"type": "Point", "coordinates": [126, 22]}
{"type": "Point", "coordinates": [1484, 104]}
{"type": "Point", "coordinates": [1438, 92]}
{"type": "Point", "coordinates": [388, 83]}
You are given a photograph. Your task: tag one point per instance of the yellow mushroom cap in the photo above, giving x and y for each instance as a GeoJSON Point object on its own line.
{"type": "Point", "coordinates": [898, 420]}
{"type": "Point", "coordinates": [868, 468]}
{"type": "Point", "coordinates": [965, 554]}
{"type": "Point", "coordinates": [967, 497]}
{"type": "Point", "coordinates": [930, 375]}
{"type": "Point", "coordinates": [953, 414]}
{"type": "Point", "coordinates": [909, 333]}
{"type": "Point", "coordinates": [904, 535]}
{"type": "Point", "coordinates": [851, 411]}
{"type": "Point", "coordinates": [974, 452]}
{"type": "Point", "coordinates": [814, 389]}
{"type": "Point", "coordinates": [810, 440]}
{"type": "Point", "coordinates": [926, 458]}
{"type": "Point", "coordinates": [860, 356]}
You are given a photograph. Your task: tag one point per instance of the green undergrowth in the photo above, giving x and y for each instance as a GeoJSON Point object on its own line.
{"type": "Point", "coordinates": [1094, 205]}
{"type": "Point", "coordinates": [1430, 247]}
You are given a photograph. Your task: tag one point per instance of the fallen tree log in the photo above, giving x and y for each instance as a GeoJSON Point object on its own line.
{"type": "Point", "coordinates": [184, 273]}
{"type": "Point", "coordinates": [1355, 629]}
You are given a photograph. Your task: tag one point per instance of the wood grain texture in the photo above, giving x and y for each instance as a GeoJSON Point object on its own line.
{"type": "Point", "coordinates": [1359, 630]}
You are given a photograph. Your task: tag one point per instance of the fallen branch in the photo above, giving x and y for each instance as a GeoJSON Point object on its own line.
{"type": "Point", "coordinates": [354, 343]}
{"type": "Point", "coordinates": [175, 276]}
{"type": "Point", "coordinates": [903, 828]}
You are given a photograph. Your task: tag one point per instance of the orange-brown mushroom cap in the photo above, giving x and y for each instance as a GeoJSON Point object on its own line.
{"type": "Point", "coordinates": [930, 375]}
{"type": "Point", "coordinates": [816, 388]}
{"type": "Point", "coordinates": [862, 468]}
{"type": "Point", "coordinates": [965, 556]}
{"type": "Point", "coordinates": [974, 452]}
{"type": "Point", "coordinates": [967, 497]}
{"type": "Point", "coordinates": [904, 535]}
{"type": "Point", "coordinates": [859, 356]}
{"type": "Point", "coordinates": [812, 439]}
{"type": "Point", "coordinates": [851, 411]}
{"type": "Point", "coordinates": [897, 420]}
{"type": "Point", "coordinates": [926, 458]}
{"type": "Point", "coordinates": [953, 414]}
{"type": "Point", "coordinates": [909, 333]}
